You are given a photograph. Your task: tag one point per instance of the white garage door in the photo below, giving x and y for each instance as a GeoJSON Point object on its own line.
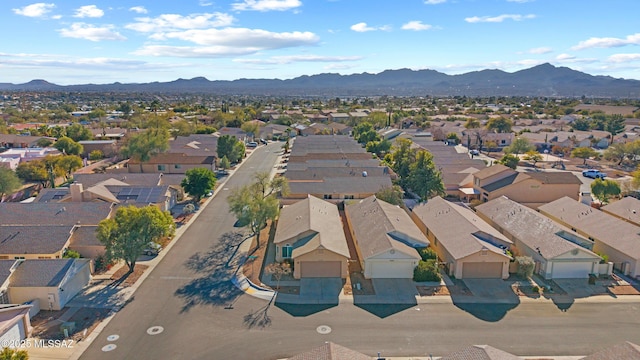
{"type": "Point", "coordinates": [14, 334]}
{"type": "Point", "coordinates": [392, 269]}
{"type": "Point", "coordinates": [570, 270]}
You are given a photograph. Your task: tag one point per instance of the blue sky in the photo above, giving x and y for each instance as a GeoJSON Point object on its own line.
{"type": "Point", "coordinates": [104, 41]}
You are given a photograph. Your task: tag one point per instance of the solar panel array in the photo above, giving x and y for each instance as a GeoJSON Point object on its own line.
{"type": "Point", "coordinates": [53, 194]}
{"type": "Point", "coordinates": [141, 194]}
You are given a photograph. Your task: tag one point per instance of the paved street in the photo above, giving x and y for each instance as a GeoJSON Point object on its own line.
{"type": "Point", "coordinates": [187, 309]}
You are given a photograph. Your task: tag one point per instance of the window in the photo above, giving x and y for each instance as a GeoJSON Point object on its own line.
{"type": "Point", "coordinates": [328, 196]}
{"type": "Point", "coordinates": [286, 251]}
{"type": "Point", "coordinates": [19, 257]}
{"type": "Point", "coordinates": [162, 168]}
{"type": "Point", "coordinates": [177, 166]}
{"type": "Point", "coordinates": [349, 197]}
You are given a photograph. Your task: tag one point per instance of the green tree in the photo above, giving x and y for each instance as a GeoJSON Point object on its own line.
{"type": "Point", "coordinates": [391, 194]}
{"type": "Point", "coordinates": [400, 157]}
{"type": "Point", "coordinates": [500, 124]}
{"type": "Point", "coordinates": [453, 137]}
{"type": "Point", "coordinates": [379, 147]}
{"type": "Point", "coordinates": [77, 132]}
{"type": "Point", "coordinates": [143, 146]}
{"type": "Point", "coordinates": [67, 146]}
{"type": "Point", "coordinates": [198, 182]}
{"type": "Point", "coordinates": [256, 203]}
{"type": "Point", "coordinates": [131, 230]}
{"type": "Point", "coordinates": [520, 145]}
{"type": "Point", "coordinates": [230, 147]}
{"type": "Point", "coordinates": [252, 128]}
{"type": "Point", "coordinates": [71, 254]}
{"type": "Point", "coordinates": [472, 123]}
{"type": "Point", "coordinates": [13, 354]}
{"type": "Point", "coordinates": [225, 164]}
{"type": "Point", "coordinates": [603, 190]}
{"type": "Point", "coordinates": [9, 182]}
{"type": "Point", "coordinates": [424, 178]}
{"type": "Point", "coordinates": [583, 153]}
{"type": "Point", "coordinates": [614, 125]}
{"type": "Point", "coordinates": [44, 142]}
{"type": "Point", "coordinates": [509, 160]}
{"type": "Point", "coordinates": [33, 171]}
{"type": "Point", "coordinates": [581, 124]}
{"type": "Point", "coordinates": [68, 164]}
{"type": "Point", "coordinates": [533, 156]}
{"type": "Point", "coordinates": [96, 155]}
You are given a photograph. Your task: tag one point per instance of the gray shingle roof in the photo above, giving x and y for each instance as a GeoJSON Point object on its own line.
{"type": "Point", "coordinates": [43, 272]}
{"type": "Point", "coordinates": [480, 352]}
{"type": "Point", "coordinates": [624, 351]}
{"type": "Point", "coordinates": [5, 270]}
{"type": "Point", "coordinates": [331, 351]}
{"type": "Point", "coordinates": [85, 236]}
{"type": "Point", "coordinates": [466, 236]}
{"type": "Point", "coordinates": [532, 228]}
{"type": "Point", "coordinates": [33, 239]}
{"type": "Point", "coordinates": [316, 217]}
{"type": "Point", "coordinates": [84, 213]}
{"type": "Point", "coordinates": [610, 230]}
{"type": "Point", "coordinates": [627, 208]}
{"type": "Point", "coordinates": [344, 185]}
{"type": "Point", "coordinates": [377, 226]}
{"type": "Point", "coordinates": [133, 179]}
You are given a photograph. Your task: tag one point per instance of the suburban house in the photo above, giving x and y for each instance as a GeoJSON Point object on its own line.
{"type": "Point", "coordinates": [42, 230]}
{"type": "Point", "coordinates": [385, 238]}
{"type": "Point", "coordinates": [468, 246]}
{"type": "Point", "coordinates": [627, 209]}
{"type": "Point", "coordinates": [338, 117]}
{"type": "Point", "coordinates": [14, 156]}
{"type": "Point", "coordinates": [333, 167]}
{"type": "Point", "coordinates": [477, 352]}
{"type": "Point", "coordinates": [52, 282]}
{"type": "Point", "coordinates": [330, 351]}
{"type": "Point", "coordinates": [108, 148]}
{"type": "Point", "coordinates": [10, 141]}
{"type": "Point", "coordinates": [612, 236]}
{"type": "Point", "coordinates": [531, 189]}
{"type": "Point", "coordinates": [310, 233]}
{"type": "Point", "coordinates": [625, 350]}
{"type": "Point", "coordinates": [172, 163]}
{"type": "Point", "coordinates": [557, 251]}
{"type": "Point", "coordinates": [113, 191]}
{"type": "Point", "coordinates": [15, 323]}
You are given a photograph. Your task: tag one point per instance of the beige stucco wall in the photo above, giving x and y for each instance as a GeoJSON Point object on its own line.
{"type": "Point", "coordinates": [279, 245]}
{"type": "Point", "coordinates": [89, 252]}
{"type": "Point", "coordinates": [56, 255]}
{"type": "Point", "coordinates": [532, 191]}
{"type": "Point", "coordinates": [19, 295]}
{"type": "Point", "coordinates": [319, 255]}
{"type": "Point", "coordinates": [169, 168]}
{"type": "Point", "coordinates": [617, 257]}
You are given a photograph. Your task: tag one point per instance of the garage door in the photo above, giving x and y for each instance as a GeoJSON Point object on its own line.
{"type": "Point", "coordinates": [391, 269]}
{"type": "Point", "coordinates": [482, 270]}
{"type": "Point", "coordinates": [570, 270]}
{"type": "Point", "coordinates": [320, 269]}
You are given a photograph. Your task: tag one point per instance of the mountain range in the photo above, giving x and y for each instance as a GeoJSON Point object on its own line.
{"type": "Point", "coordinates": [541, 80]}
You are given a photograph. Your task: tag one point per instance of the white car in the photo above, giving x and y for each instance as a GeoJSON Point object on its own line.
{"type": "Point", "coordinates": [594, 174]}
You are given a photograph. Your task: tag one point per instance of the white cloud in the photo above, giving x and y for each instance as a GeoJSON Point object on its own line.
{"type": "Point", "coordinates": [35, 10]}
{"type": "Point", "coordinates": [565, 57]}
{"type": "Point", "coordinates": [173, 22]}
{"type": "Point", "coordinates": [205, 3]}
{"type": "Point", "coordinates": [139, 9]}
{"type": "Point", "coordinates": [91, 32]}
{"type": "Point", "coordinates": [540, 50]}
{"type": "Point", "coordinates": [434, 2]}
{"type": "Point", "coordinates": [623, 58]}
{"type": "Point", "coordinates": [416, 26]}
{"type": "Point", "coordinates": [266, 5]}
{"type": "Point", "coordinates": [228, 42]}
{"type": "Point", "coordinates": [499, 18]}
{"type": "Point", "coordinates": [363, 27]}
{"type": "Point", "coordinates": [88, 11]}
{"type": "Point", "coordinates": [299, 58]}
{"type": "Point", "coordinates": [608, 42]}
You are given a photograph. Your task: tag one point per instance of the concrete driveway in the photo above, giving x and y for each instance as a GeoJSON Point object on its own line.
{"type": "Point", "coordinates": [490, 288]}
{"type": "Point", "coordinates": [320, 290]}
{"type": "Point", "coordinates": [395, 291]}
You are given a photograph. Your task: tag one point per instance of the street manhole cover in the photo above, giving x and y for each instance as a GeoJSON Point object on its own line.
{"type": "Point", "coordinates": [323, 329]}
{"type": "Point", "coordinates": [155, 330]}
{"type": "Point", "coordinates": [109, 347]}
{"type": "Point", "coordinates": [113, 337]}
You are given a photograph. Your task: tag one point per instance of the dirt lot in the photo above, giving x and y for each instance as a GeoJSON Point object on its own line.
{"type": "Point", "coordinates": [122, 278]}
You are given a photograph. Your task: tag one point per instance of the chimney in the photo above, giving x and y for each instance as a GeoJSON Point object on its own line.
{"type": "Point", "coordinates": [76, 192]}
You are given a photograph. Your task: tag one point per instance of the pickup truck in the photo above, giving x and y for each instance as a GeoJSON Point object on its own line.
{"type": "Point", "coordinates": [594, 174]}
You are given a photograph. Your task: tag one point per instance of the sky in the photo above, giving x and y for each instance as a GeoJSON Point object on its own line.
{"type": "Point", "coordinates": [133, 41]}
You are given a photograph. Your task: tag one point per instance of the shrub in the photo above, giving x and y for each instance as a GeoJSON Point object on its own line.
{"type": "Point", "coordinates": [427, 253]}
{"type": "Point", "coordinates": [605, 258]}
{"type": "Point", "coordinates": [71, 254]}
{"type": "Point", "coordinates": [526, 266]}
{"type": "Point", "coordinates": [96, 155]}
{"type": "Point", "coordinates": [426, 271]}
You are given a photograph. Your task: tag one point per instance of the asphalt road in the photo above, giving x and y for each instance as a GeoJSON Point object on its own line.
{"type": "Point", "coordinates": [188, 294]}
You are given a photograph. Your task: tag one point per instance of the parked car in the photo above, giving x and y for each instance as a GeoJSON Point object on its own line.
{"type": "Point", "coordinates": [152, 249]}
{"type": "Point", "coordinates": [474, 152]}
{"type": "Point", "coordinates": [252, 144]}
{"type": "Point", "coordinates": [594, 174]}
{"type": "Point", "coordinates": [264, 141]}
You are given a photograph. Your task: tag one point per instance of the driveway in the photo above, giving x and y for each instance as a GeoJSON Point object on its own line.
{"type": "Point", "coordinates": [395, 291]}
{"type": "Point", "coordinates": [320, 290]}
{"type": "Point", "coordinates": [580, 288]}
{"type": "Point", "coordinates": [490, 288]}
